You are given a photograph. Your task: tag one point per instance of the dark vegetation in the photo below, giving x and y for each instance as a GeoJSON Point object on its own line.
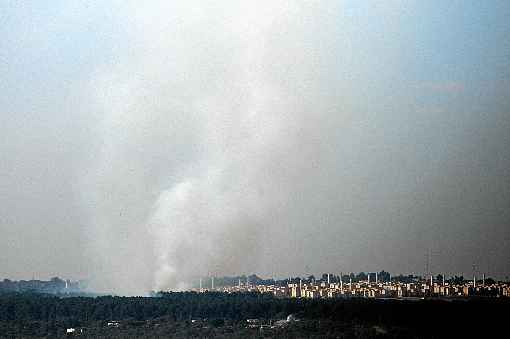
{"type": "Point", "coordinates": [54, 286]}
{"type": "Point", "coordinates": [192, 314]}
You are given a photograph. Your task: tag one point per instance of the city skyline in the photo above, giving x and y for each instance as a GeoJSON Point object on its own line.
{"type": "Point", "coordinates": [378, 285]}
{"type": "Point", "coordinates": [355, 276]}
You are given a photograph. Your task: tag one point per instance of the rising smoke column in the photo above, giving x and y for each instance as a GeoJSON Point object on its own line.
{"type": "Point", "coordinates": [145, 144]}
{"type": "Point", "coordinates": [274, 137]}
{"type": "Point", "coordinates": [194, 125]}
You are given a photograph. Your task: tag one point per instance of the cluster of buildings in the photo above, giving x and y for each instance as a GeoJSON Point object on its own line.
{"type": "Point", "coordinates": [371, 289]}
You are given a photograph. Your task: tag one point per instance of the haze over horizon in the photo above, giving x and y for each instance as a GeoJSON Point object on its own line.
{"type": "Point", "coordinates": [142, 145]}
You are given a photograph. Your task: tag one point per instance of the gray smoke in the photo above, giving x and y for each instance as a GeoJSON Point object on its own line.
{"type": "Point", "coordinates": [204, 138]}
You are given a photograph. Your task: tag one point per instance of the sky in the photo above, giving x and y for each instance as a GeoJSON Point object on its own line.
{"type": "Point", "coordinates": [144, 145]}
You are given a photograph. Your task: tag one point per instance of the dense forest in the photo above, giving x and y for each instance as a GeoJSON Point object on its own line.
{"type": "Point", "coordinates": [177, 314]}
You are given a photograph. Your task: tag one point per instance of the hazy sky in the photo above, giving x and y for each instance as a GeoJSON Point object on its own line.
{"type": "Point", "coordinates": [142, 145]}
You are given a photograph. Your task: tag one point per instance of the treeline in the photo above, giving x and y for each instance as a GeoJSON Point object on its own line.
{"type": "Point", "coordinates": [54, 286]}
{"type": "Point", "coordinates": [45, 314]}
{"type": "Point", "coordinates": [176, 306]}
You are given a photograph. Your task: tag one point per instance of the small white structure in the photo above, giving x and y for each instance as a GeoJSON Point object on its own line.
{"type": "Point", "coordinates": [70, 330]}
{"type": "Point", "coordinates": [291, 318]}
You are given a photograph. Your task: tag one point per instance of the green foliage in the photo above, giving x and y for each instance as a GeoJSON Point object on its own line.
{"type": "Point", "coordinates": [37, 315]}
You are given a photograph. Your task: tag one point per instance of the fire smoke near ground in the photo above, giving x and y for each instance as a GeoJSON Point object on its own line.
{"type": "Point", "coordinates": [185, 139]}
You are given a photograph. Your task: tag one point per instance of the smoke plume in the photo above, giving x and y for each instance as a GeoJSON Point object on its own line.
{"type": "Point", "coordinates": [179, 139]}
